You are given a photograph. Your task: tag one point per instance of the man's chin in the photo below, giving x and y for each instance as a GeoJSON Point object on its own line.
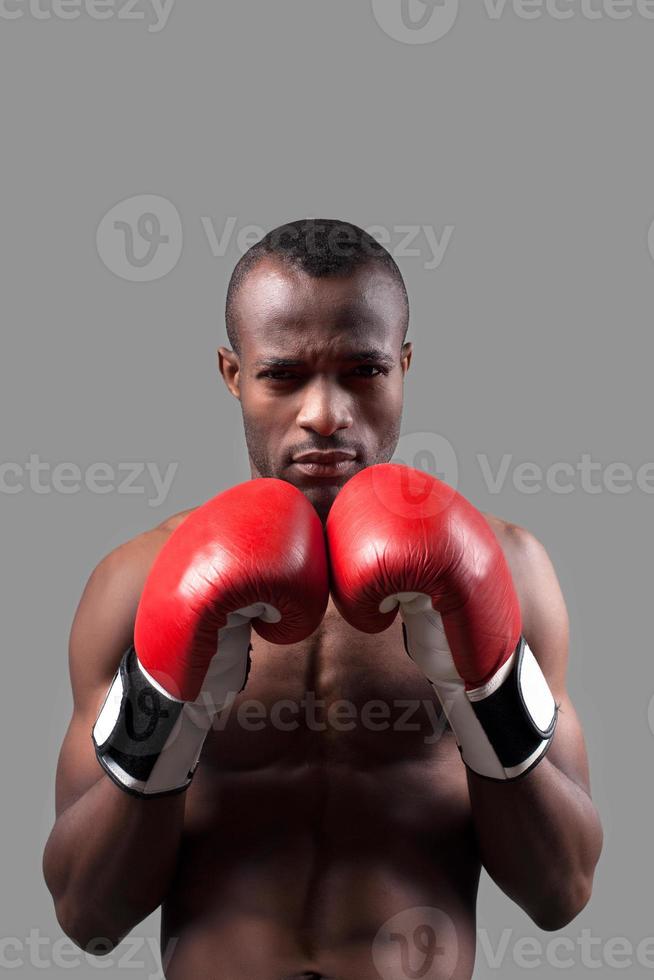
{"type": "Point", "coordinates": [320, 493]}
{"type": "Point", "coordinates": [322, 497]}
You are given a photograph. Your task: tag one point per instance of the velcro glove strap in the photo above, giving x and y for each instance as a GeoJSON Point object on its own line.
{"type": "Point", "coordinates": [517, 714]}
{"type": "Point", "coordinates": [147, 741]}
{"type": "Point", "coordinates": [504, 727]}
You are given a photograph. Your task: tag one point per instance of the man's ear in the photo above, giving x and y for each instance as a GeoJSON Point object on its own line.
{"type": "Point", "coordinates": [229, 366]}
{"type": "Point", "coordinates": [405, 356]}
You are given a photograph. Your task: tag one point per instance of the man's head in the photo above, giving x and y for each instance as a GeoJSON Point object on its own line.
{"type": "Point", "coordinates": [316, 314]}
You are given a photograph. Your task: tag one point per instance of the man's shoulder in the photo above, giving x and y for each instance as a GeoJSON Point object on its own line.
{"type": "Point", "coordinates": [128, 563]}
{"type": "Point", "coordinates": [516, 541]}
{"type": "Point", "coordinates": [526, 556]}
{"type": "Point", "coordinates": [145, 546]}
{"type": "Point", "coordinates": [544, 615]}
{"type": "Point", "coordinates": [169, 524]}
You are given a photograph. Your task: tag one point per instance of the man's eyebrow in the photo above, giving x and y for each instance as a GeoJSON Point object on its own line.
{"type": "Point", "coordinates": [371, 354]}
{"type": "Point", "coordinates": [281, 362]}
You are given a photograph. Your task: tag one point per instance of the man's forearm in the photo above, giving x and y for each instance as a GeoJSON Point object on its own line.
{"type": "Point", "coordinates": [540, 838]}
{"type": "Point", "coordinates": [109, 860]}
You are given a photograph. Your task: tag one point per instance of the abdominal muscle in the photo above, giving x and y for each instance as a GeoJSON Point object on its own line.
{"type": "Point", "coordinates": [335, 854]}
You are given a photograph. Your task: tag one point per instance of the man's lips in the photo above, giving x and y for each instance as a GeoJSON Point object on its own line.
{"type": "Point", "coordinates": [324, 456]}
{"type": "Point", "coordinates": [328, 464]}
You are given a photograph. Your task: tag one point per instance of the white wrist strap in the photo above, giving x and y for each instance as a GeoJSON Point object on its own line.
{"type": "Point", "coordinates": [148, 741]}
{"type": "Point", "coordinates": [505, 727]}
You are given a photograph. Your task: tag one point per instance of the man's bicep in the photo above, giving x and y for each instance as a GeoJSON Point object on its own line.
{"type": "Point", "coordinates": [77, 768]}
{"type": "Point", "coordinates": [546, 630]}
{"type": "Point", "coordinates": [568, 749]}
{"type": "Point", "coordinates": [101, 632]}
{"type": "Point", "coordinates": [104, 622]}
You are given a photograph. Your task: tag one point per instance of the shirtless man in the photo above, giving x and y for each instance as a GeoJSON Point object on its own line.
{"type": "Point", "coordinates": [304, 832]}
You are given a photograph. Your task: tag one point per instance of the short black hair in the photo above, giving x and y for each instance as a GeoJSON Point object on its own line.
{"type": "Point", "coordinates": [321, 247]}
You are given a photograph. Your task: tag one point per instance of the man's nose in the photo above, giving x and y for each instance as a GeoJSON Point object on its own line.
{"type": "Point", "coordinates": [325, 409]}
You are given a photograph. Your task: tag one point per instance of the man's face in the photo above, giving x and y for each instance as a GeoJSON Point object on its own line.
{"type": "Point", "coordinates": [320, 374]}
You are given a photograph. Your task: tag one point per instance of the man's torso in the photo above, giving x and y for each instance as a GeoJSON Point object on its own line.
{"type": "Point", "coordinates": [328, 828]}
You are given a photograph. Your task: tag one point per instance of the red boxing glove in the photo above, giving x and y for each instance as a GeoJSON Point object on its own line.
{"type": "Point", "coordinates": [252, 556]}
{"type": "Point", "coordinates": [399, 538]}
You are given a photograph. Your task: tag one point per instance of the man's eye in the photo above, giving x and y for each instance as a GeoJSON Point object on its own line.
{"type": "Point", "coordinates": [364, 371]}
{"type": "Point", "coordinates": [279, 375]}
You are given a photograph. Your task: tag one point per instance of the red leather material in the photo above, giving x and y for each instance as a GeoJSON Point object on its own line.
{"type": "Point", "coordinates": [395, 529]}
{"type": "Point", "coordinates": [260, 541]}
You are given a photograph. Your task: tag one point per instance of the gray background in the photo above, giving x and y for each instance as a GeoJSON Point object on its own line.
{"type": "Point", "coordinates": [531, 138]}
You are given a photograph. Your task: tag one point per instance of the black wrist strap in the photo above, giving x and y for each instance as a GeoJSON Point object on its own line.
{"type": "Point", "coordinates": [142, 724]}
{"type": "Point", "coordinates": [519, 716]}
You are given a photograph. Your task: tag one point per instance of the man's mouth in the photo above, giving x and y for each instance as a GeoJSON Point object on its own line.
{"type": "Point", "coordinates": [330, 464]}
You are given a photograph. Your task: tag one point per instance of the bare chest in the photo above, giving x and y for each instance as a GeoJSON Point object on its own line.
{"type": "Point", "coordinates": [340, 697]}
{"type": "Point", "coordinates": [331, 783]}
